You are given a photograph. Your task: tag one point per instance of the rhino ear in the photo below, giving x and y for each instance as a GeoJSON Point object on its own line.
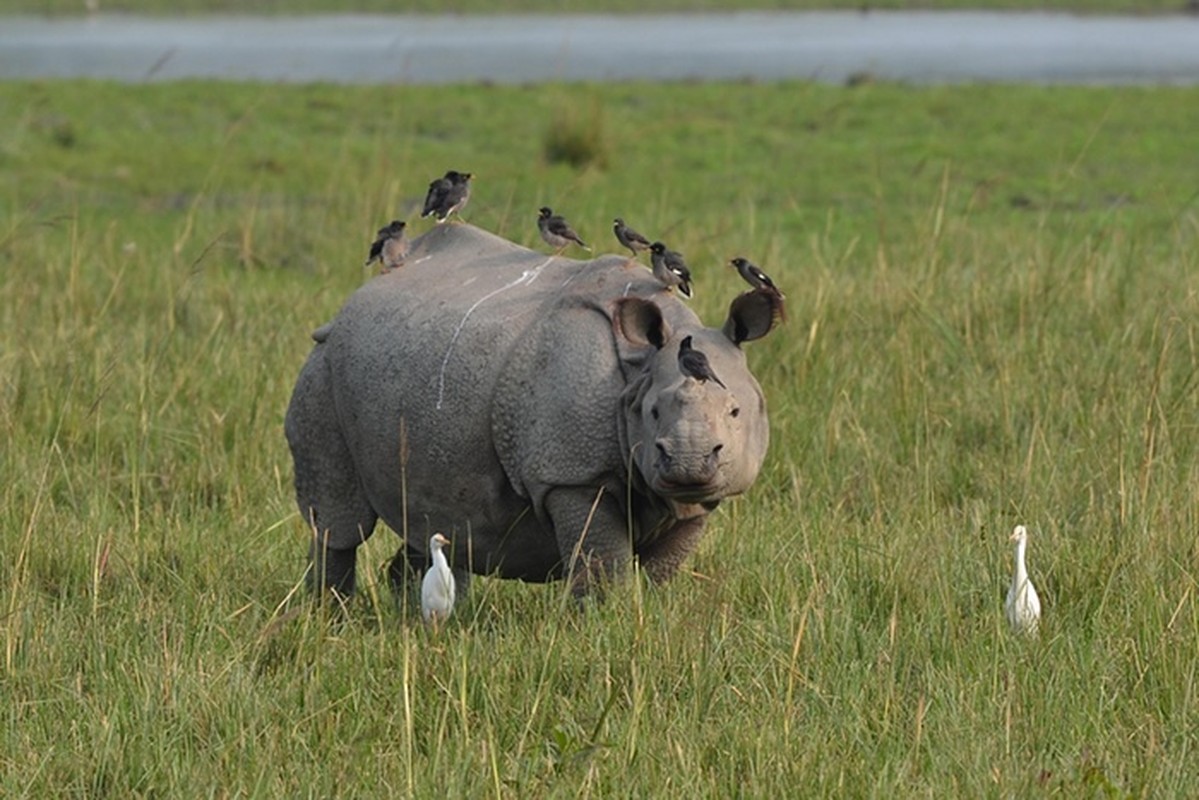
{"type": "Point", "coordinates": [640, 322]}
{"type": "Point", "coordinates": [752, 315]}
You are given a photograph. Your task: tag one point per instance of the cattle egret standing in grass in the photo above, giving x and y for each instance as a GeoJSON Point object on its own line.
{"type": "Point", "coordinates": [437, 589]}
{"type": "Point", "coordinates": [1022, 606]}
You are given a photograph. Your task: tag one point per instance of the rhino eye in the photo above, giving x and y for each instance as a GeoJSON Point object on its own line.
{"type": "Point", "coordinates": [736, 412]}
{"type": "Point", "coordinates": [653, 412]}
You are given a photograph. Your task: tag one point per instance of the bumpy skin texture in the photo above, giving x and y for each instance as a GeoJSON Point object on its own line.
{"type": "Point", "coordinates": [541, 399]}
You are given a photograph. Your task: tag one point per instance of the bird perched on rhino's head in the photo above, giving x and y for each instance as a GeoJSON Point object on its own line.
{"type": "Point", "coordinates": [760, 282]}
{"type": "Point", "coordinates": [694, 364]}
{"type": "Point", "coordinates": [447, 195]}
{"type": "Point", "coordinates": [754, 276]}
{"type": "Point", "coordinates": [670, 269]}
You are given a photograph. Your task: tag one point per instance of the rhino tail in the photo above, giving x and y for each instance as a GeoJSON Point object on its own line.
{"type": "Point", "coordinates": [322, 333]}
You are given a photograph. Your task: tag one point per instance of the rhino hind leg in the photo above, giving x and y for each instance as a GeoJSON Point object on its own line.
{"type": "Point", "coordinates": [328, 491]}
{"type": "Point", "coordinates": [339, 523]}
{"type": "Point", "coordinates": [331, 569]}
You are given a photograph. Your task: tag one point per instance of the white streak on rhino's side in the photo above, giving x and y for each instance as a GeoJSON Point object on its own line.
{"type": "Point", "coordinates": [528, 276]}
{"type": "Point", "coordinates": [627, 286]}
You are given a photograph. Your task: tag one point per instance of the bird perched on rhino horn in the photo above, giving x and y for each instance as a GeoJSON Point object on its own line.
{"type": "Point", "coordinates": [447, 195]}
{"type": "Point", "coordinates": [694, 364]}
{"type": "Point", "coordinates": [670, 269]}
{"type": "Point", "coordinates": [754, 276]}
{"type": "Point", "coordinates": [629, 238]}
{"type": "Point", "coordinates": [556, 231]}
{"type": "Point", "coordinates": [390, 247]}
{"type": "Point", "coordinates": [437, 588]}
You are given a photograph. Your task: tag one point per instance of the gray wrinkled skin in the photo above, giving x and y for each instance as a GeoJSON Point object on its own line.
{"type": "Point", "coordinates": [541, 398]}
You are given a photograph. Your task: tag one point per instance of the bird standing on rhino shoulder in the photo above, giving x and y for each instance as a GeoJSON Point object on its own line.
{"type": "Point", "coordinates": [556, 231]}
{"type": "Point", "coordinates": [437, 588]}
{"type": "Point", "coordinates": [390, 247]}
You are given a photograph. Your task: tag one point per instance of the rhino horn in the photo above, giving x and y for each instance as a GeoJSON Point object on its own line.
{"type": "Point", "coordinates": [752, 315]}
{"type": "Point", "coordinates": [640, 322]}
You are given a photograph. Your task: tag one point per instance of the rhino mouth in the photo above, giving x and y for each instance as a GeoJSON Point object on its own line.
{"type": "Point", "coordinates": [688, 491]}
{"type": "Point", "coordinates": [687, 477]}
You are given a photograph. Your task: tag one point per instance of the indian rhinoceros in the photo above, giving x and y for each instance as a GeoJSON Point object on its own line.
{"type": "Point", "coordinates": [531, 407]}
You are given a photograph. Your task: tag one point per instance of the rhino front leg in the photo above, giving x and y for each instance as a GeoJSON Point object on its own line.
{"type": "Point", "coordinates": [592, 537]}
{"type": "Point", "coordinates": [662, 559]}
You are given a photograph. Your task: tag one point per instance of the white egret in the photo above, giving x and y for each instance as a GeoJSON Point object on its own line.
{"type": "Point", "coordinates": [1023, 607]}
{"type": "Point", "coordinates": [437, 589]}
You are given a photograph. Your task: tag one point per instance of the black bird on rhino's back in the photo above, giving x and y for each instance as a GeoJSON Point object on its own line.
{"type": "Point", "coordinates": [556, 231]}
{"type": "Point", "coordinates": [447, 195]}
{"type": "Point", "coordinates": [390, 247]}
{"type": "Point", "coordinates": [629, 238]}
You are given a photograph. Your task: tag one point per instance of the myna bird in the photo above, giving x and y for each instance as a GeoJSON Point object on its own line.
{"type": "Point", "coordinates": [694, 364]}
{"type": "Point", "coordinates": [389, 247]}
{"type": "Point", "coordinates": [670, 269]}
{"type": "Point", "coordinates": [556, 231]}
{"type": "Point", "coordinates": [629, 238]}
{"type": "Point", "coordinates": [761, 282]}
{"type": "Point", "coordinates": [754, 276]}
{"type": "Point", "coordinates": [447, 195]}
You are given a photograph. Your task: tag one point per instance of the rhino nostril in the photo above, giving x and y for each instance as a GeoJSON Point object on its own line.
{"type": "Point", "coordinates": [663, 456]}
{"type": "Point", "coordinates": [716, 450]}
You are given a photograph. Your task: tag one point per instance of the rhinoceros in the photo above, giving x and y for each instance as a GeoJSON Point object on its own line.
{"type": "Point", "coordinates": [530, 406]}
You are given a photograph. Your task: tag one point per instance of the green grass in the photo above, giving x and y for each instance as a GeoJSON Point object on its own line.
{"type": "Point", "coordinates": [271, 7]}
{"type": "Point", "coordinates": [993, 319]}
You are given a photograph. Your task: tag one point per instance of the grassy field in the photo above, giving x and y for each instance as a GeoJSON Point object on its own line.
{"type": "Point", "coordinates": [993, 319]}
{"type": "Point", "coordinates": [175, 7]}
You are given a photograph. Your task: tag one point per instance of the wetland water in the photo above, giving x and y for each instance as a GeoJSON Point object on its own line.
{"type": "Point", "coordinates": [916, 47]}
